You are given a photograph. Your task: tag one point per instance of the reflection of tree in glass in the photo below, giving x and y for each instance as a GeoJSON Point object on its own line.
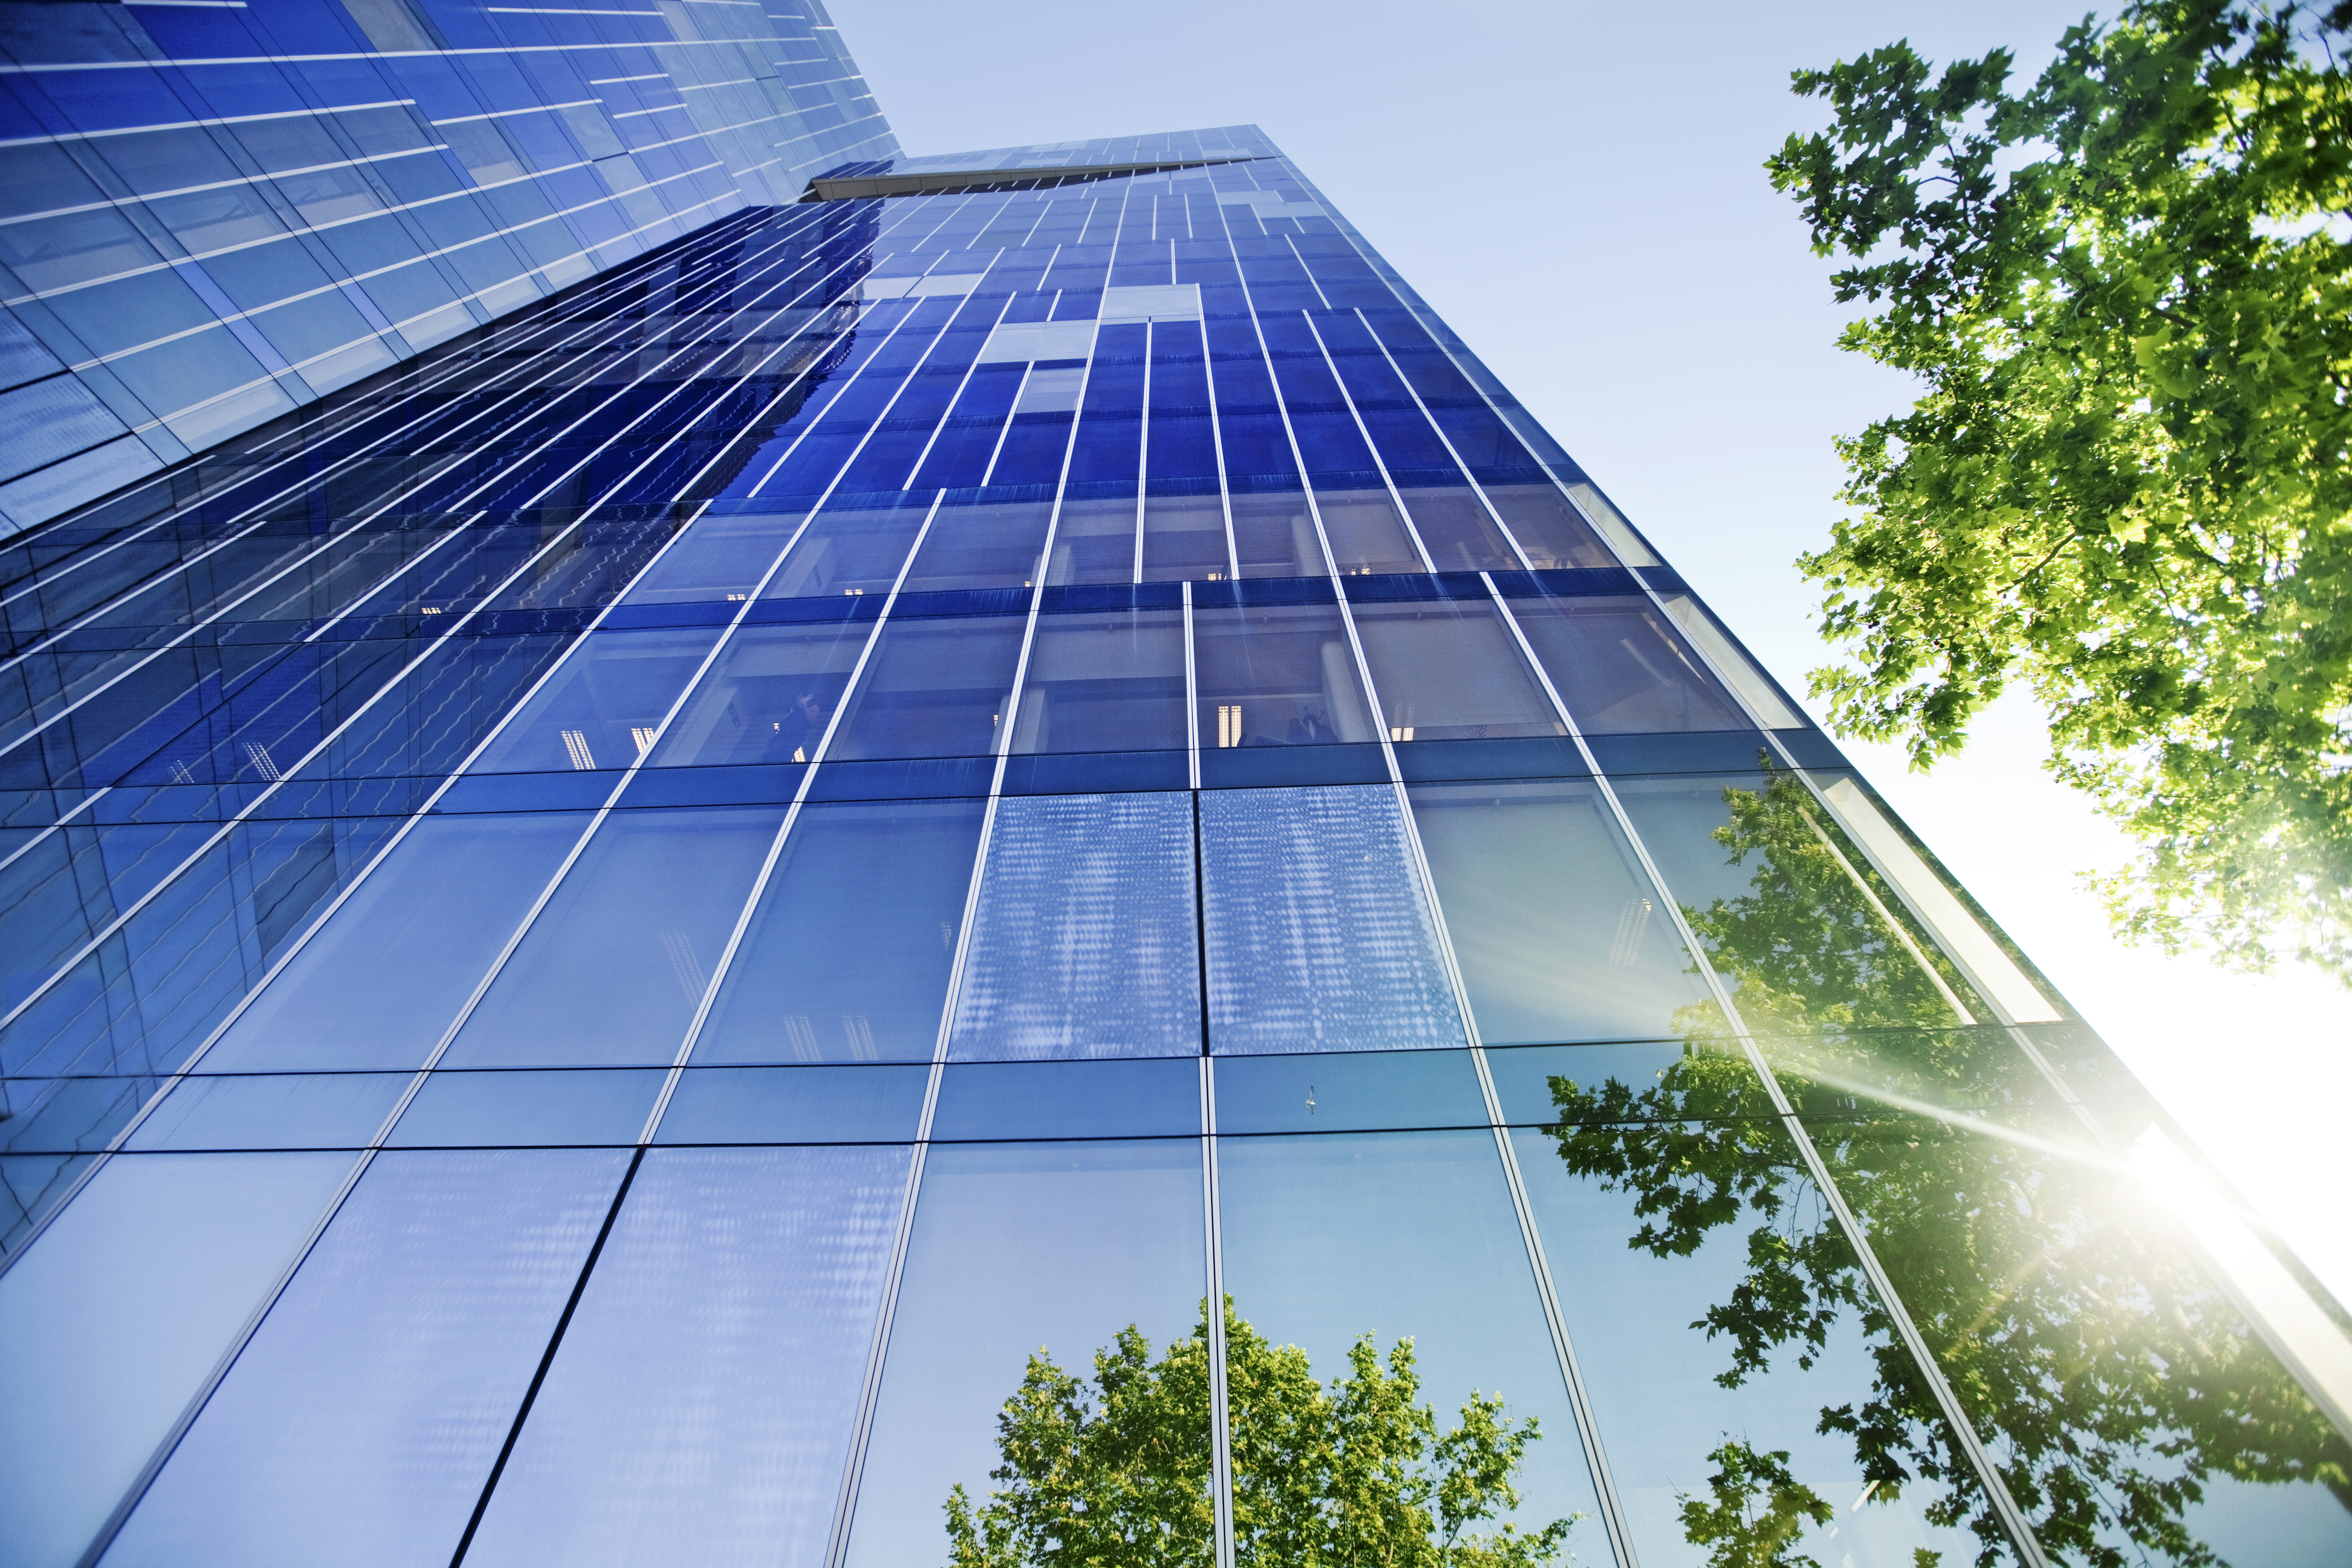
{"type": "Point", "coordinates": [2110, 1378]}
{"type": "Point", "coordinates": [1118, 1472]}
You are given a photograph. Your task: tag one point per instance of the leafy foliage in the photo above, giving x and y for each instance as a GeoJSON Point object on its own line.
{"type": "Point", "coordinates": [2103, 1366]}
{"type": "Point", "coordinates": [1118, 1472]}
{"type": "Point", "coordinates": [2126, 292]}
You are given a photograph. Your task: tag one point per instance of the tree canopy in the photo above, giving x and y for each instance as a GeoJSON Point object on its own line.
{"type": "Point", "coordinates": [2125, 292]}
{"type": "Point", "coordinates": [1116, 1472]}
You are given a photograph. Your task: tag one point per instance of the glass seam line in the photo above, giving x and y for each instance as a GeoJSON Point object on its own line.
{"type": "Point", "coordinates": [1142, 450]}
{"type": "Point", "coordinates": [451, 366]}
{"type": "Point", "coordinates": [547, 1357]}
{"type": "Point", "coordinates": [121, 1513]}
{"type": "Point", "coordinates": [1538, 1264]}
{"type": "Point", "coordinates": [418, 816]}
{"type": "Point", "coordinates": [1996, 1494]}
{"type": "Point", "coordinates": [227, 827]}
{"type": "Point", "coordinates": [854, 1470]}
{"type": "Point", "coordinates": [519, 462]}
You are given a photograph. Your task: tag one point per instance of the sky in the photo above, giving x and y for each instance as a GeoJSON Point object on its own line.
{"type": "Point", "coordinates": [1578, 189]}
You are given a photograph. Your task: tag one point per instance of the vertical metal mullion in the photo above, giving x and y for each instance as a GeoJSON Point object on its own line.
{"type": "Point", "coordinates": [1217, 442]}
{"type": "Point", "coordinates": [1964, 1433]}
{"type": "Point", "coordinates": [1142, 454]}
{"type": "Point", "coordinates": [1192, 696]}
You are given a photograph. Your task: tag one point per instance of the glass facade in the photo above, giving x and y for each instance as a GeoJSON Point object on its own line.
{"type": "Point", "coordinates": [1240, 817]}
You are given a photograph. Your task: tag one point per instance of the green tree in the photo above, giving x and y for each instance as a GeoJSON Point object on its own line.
{"type": "Point", "coordinates": [2127, 294]}
{"type": "Point", "coordinates": [1118, 1472]}
{"type": "Point", "coordinates": [2107, 1373]}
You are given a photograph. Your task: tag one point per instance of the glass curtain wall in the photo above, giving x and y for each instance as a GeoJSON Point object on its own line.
{"type": "Point", "coordinates": [922, 825]}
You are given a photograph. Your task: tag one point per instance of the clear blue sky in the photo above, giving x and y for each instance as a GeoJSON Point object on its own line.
{"type": "Point", "coordinates": [1577, 188]}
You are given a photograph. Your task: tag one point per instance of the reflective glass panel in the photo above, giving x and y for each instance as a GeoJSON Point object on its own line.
{"type": "Point", "coordinates": [767, 698]}
{"type": "Point", "coordinates": [1319, 936]}
{"type": "Point", "coordinates": [1282, 676]}
{"type": "Point", "coordinates": [1106, 682]}
{"type": "Point", "coordinates": [933, 688]}
{"type": "Point", "coordinates": [1083, 942]}
{"type": "Point", "coordinates": [1450, 671]}
{"type": "Point", "coordinates": [614, 965]}
{"type": "Point", "coordinates": [847, 956]}
{"type": "Point", "coordinates": [1621, 668]}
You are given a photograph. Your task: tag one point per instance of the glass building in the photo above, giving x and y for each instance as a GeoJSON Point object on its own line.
{"type": "Point", "coordinates": [1242, 816]}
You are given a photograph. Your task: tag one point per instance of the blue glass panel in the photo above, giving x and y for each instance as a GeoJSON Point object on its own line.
{"type": "Point", "coordinates": [1523, 1074]}
{"type": "Point", "coordinates": [848, 551]}
{"type": "Point", "coordinates": [1084, 942]}
{"type": "Point", "coordinates": [614, 966]}
{"type": "Point", "coordinates": [305, 1111]}
{"type": "Point", "coordinates": [1560, 934]}
{"type": "Point", "coordinates": [1456, 531]}
{"type": "Point", "coordinates": [1105, 683]}
{"type": "Point", "coordinates": [116, 1314]}
{"type": "Point", "coordinates": [1283, 675]}
{"type": "Point", "coordinates": [1319, 936]}
{"type": "Point", "coordinates": [1365, 531]}
{"type": "Point", "coordinates": [991, 546]}
{"type": "Point", "coordinates": [1017, 1247]}
{"type": "Point", "coordinates": [701, 1408]}
{"type": "Point", "coordinates": [1275, 536]}
{"type": "Point", "coordinates": [795, 1105]}
{"type": "Point", "coordinates": [383, 978]}
{"type": "Point", "coordinates": [1348, 1092]}
{"type": "Point", "coordinates": [846, 958]}
{"type": "Point", "coordinates": [933, 688]}
{"type": "Point", "coordinates": [1547, 528]}
{"type": "Point", "coordinates": [359, 1425]}
{"type": "Point", "coordinates": [601, 708]}
{"type": "Point", "coordinates": [719, 558]}
{"type": "Point", "coordinates": [768, 697]}
{"type": "Point", "coordinates": [1621, 668]}
{"type": "Point", "coordinates": [1185, 537]}
{"type": "Point", "coordinates": [1406, 1235]}
{"type": "Point", "coordinates": [997, 1100]}
{"type": "Point", "coordinates": [1095, 539]}
{"type": "Point", "coordinates": [496, 1110]}
{"type": "Point", "coordinates": [1451, 670]}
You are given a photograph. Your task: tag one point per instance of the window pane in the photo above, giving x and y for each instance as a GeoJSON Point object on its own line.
{"type": "Point", "coordinates": [720, 558]}
{"type": "Point", "coordinates": [1017, 1248]}
{"type": "Point", "coordinates": [849, 552]}
{"type": "Point", "coordinates": [1184, 536]}
{"type": "Point", "coordinates": [383, 978]}
{"type": "Point", "coordinates": [1109, 682]}
{"type": "Point", "coordinates": [768, 698]}
{"type": "Point", "coordinates": [848, 957]}
{"type": "Point", "coordinates": [1548, 528]}
{"type": "Point", "coordinates": [360, 1423]}
{"type": "Point", "coordinates": [509, 1109]}
{"type": "Point", "coordinates": [113, 1318]}
{"type": "Point", "coordinates": [980, 547]}
{"type": "Point", "coordinates": [1457, 532]}
{"type": "Point", "coordinates": [1275, 536]}
{"type": "Point", "coordinates": [614, 966]}
{"type": "Point", "coordinates": [1558, 933]}
{"type": "Point", "coordinates": [933, 688]}
{"type": "Point", "coordinates": [701, 1406]}
{"type": "Point", "coordinates": [1406, 1235]}
{"type": "Point", "coordinates": [600, 709]}
{"type": "Point", "coordinates": [1083, 943]}
{"type": "Point", "coordinates": [1283, 676]}
{"type": "Point", "coordinates": [1450, 671]}
{"type": "Point", "coordinates": [271, 1111]}
{"type": "Point", "coordinates": [1366, 533]}
{"type": "Point", "coordinates": [1095, 540]}
{"type": "Point", "coordinates": [1622, 669]}
{"type": "Point", "coordinates": [1319, 936]}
